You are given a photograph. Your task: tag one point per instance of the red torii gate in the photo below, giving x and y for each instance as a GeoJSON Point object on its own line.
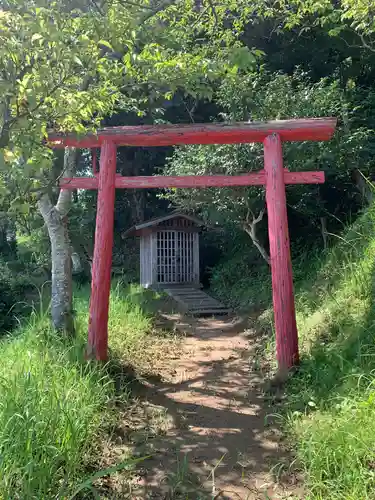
{"type": "Point", "coordinates": [274, 177]}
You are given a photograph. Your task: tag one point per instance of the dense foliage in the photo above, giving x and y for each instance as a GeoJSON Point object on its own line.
{"type": "Point", "coordinates": [262, 96]}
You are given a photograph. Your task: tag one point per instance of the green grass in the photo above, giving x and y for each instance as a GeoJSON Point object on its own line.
{"type": "Point", "coordinates": [134, 341]}
{"type": "Point", "coordinates": [330, 402]}
{"type": "Point", "coordinates": [50, 410]}
{"type": "Point", "coordinates": [55, 407]}
{"type": "Point", "coordinates": [329, 410]}
{"type": "Point", "coordinates": [244, 284]}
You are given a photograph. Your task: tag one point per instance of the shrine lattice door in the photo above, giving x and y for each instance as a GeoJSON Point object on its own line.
{"type": "Point", "coordinates": [175, 257]}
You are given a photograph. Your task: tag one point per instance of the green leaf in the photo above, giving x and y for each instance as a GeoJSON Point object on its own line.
{"type": "Point", "coordinates": [104, 43]}
{"type": "Point", "coordinates": [24, 208]}
{"type": "Point", "coordinates": [127, 464]}
{"type": "Point", "coordinates": [243, 58]}
{"type": "Point", "coordinates": [36, 36]}
{"type": "Point", "coordinates": [78, 60]}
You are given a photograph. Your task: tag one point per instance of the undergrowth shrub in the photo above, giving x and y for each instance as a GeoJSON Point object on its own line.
{"type": "Point", "coordinates": [13, 290]}
{"type": "Point", "coordinates": [242, 281]}
{"type": "Point", "coordinates": [23, 272]}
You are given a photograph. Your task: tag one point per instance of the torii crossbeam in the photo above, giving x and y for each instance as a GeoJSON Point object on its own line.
{"type": "Point", "coordinates": [274, 177]}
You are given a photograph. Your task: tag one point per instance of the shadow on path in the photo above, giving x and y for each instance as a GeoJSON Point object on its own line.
{"type": "Point", "coordinates": [220, 442]}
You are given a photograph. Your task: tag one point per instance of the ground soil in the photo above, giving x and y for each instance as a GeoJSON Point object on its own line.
{"type": "Point", "coordinates": [217, 437]}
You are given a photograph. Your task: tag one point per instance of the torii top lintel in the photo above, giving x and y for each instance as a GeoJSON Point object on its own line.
{"type": "Point", "coordinates": [306, 129]}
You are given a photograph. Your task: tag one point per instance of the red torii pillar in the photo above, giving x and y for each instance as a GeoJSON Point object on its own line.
{"type": "Point", "coordinates": [281, 263]}
{"type": "Point", "coordinates": [102, 259]}
{"type": "Point", "coordinates": [274, 177]}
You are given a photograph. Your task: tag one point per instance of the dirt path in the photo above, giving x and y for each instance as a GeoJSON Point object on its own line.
{"type": "Point", "coordinates": [219, 443]}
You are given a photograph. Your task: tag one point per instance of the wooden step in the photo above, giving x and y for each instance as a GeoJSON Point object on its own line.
{"type": "Point", "coordinates": [194, 301]}
{"type": "Point", "coordinates": [209, 312]}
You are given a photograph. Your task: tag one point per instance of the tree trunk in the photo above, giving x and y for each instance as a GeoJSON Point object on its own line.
{"type": "Point", "coordinates": [323, 226]}
{"type": "Point", "coordinates": [138, 206]}
{"type": "Point", "coordinates": [61, 296]}
{"type": "Point", "coordinates": [55, 218]}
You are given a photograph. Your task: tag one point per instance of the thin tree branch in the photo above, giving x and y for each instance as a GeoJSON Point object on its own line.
{"type": "Point", "coordinates": [213, 10]}
{"type": "Point", "coordinates": [164, 5]}
{"type": "Point", "coordinates": [259, 218]}
{"type": "Point", "coordinates": [135, 4]}
{"type": "Point", "coordinates": [97, 7]}
{"type": "Point", "coordinates": [191, 110]}
{"type": "Point", "coordinates": [249, 227]}
{"type": "Point", "coordinates": [364, 43]}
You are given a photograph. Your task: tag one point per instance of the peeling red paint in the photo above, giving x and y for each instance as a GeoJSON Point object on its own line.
{"type": "Point", "coordinates": [281, 268]}
{"type": "Point", "coordinates": [303, 129]}
{"type": "Point", "coordinates": [192, 181]}
{"type": "Point", "coordinates": [102, 260]}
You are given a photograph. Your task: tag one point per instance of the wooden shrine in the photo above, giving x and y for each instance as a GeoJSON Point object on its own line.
{"type": "Point", "coordinates": [168, 250]}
